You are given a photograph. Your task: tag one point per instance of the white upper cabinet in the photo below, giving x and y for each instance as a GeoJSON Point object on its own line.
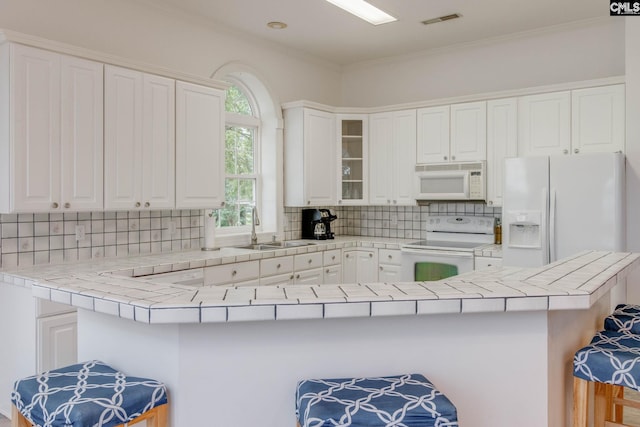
{"type": "Point", "coordinates": [392, 142]}
{"type": "Point", "coordinates": [353, 185]}
{"type": "Point", "coordinates": [452, 133]}
{"type": "Point", "coordinates": [544, 124]}
{"type": "Point", "coordinates": [598, 119]}
{"type": "Point", "coordinates": [502, 143]}
{"type": "Point", "coordinates": [469, 131]}
{"type": "Point", "coordinates": [199, 146]}
{"type": "Point", "coordinates": [433, 134]}
{"type": "Point", "coordinates": [310, 158]}
{"type": "Point", "coordinates": [51, 119]}
{"type": "Point", "coordinates": [139, 140]}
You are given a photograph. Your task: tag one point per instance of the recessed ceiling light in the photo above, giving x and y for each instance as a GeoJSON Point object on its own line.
{"type": "Point", "coordinates": [442, 18]}
{"type": "Point", "coordinates": [277, 25]}
{"type": "Point", "coordinates": [364, 10]}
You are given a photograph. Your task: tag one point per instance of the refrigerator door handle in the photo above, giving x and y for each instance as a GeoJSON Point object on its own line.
{"type": "Point", "coordinates": [552, 226]}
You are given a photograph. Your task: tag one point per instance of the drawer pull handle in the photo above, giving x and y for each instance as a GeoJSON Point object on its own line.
{"type": "Point", "coordinates": [381, 268]}
{"type": "Point", "coordinates": [328, 271]}
{"type": "Point", "coordinates": [370, 255]}
{"type": "Point", "coordinates": [297, 276]}
{"type": "Point", "coordinates": [309, 261]}
{"type": "Point", "coordinates": [278, 266]}
{"type": "Point", "coordinates": [333, 258]}
{"type": "Point", "coordinates": [389, 256]}
{"type": "Point", "coordinates": [234, 272]}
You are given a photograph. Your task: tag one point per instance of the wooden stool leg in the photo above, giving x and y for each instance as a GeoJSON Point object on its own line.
{"type": "Point", "coordinates": [603, 404]}
{"type": "Point", "coordinates": [17, 419]}
{"type": "Point", "coordinates": [156, 417]}
{"type": "Point", "coordinates": [580, 405]}
{"type": "Point", "coordinates": [618, 410]}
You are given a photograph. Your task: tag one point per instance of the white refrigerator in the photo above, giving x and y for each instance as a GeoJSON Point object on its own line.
{"type": "Point", "coordinates": [554, 207]}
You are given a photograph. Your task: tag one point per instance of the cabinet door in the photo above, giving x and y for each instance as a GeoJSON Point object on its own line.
{"type": "Point", "coordinates": [367, 266]}
{"type": "Point", "coordinates": [158, 142]}
{"type": "Point", "coordinates": [501, 144]}
{"type": "Point", "coordinates": [380, 158]}
{"type": "Point", "coordinates": [404, 148]}
{"type": "Point", "coordinates": [123, 138]}
{"type": "Point", "coordinates": [320, 158]}
{"type": "Point", "coordinates": [349, 267]}
{"type": "Point", "coordinates": [544, 124]}
{"type": "Point", "coordinates": [388, 273]}
{"type": "Point", "coordinates": [469, 131]}
{"type": "Point", "coordinates": [199, 146]}
{"type": "Point", "coordinates": [309, 277]}
{"type": "Point", "coordinates": [82, 134]}
{"type": "Point", "coordinates": [353, 153]}
{"type": "Point", "coordinates": [35, 113]}
{"type": "Point", "coordinates": [332, 274]}
{"type": "Point", "coordinates": [433, 134]}
{"type": "Point", "coordinates": [598, 119]}
{"type": "Point", "coordinates": [57, 341]}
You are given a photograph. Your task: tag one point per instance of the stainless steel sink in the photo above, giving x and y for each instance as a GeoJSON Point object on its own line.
{"type": "Point", "coordinates": [275, 245]}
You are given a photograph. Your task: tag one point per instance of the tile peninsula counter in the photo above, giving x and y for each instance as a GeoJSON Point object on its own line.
{"type": "Point", "coordinates": [498, 342]}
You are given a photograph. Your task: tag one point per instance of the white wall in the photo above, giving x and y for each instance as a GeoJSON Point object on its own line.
{"type": "Point", "coordinates": [578, 52]}
{"type": "Point", "coordinates": [134, 30]}
{"type": "Point", "coordinates": [632, 47]}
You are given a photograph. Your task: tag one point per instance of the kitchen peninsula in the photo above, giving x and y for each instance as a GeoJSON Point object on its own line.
{"type": "Point", "coordinates": [232, 355]}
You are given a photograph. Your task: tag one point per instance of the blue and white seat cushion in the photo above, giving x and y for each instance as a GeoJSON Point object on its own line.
{"type": "Point", "coordinates": [90, 394]}
{"type": "Point", "coordinates": [611, 358]}
{"type": "Point", "coordinates": [403, 401]}
{"type": "Point", "coordinates": [626, 317]}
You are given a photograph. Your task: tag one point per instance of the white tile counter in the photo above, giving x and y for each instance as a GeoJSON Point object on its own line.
{"type": "Point", "coordinates": [111, 287]}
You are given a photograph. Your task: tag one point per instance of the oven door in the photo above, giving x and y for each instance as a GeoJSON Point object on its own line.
{"type": "Point", "coordinates": [424, 265]}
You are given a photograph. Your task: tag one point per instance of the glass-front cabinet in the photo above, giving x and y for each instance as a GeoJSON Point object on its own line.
{"type": "Point", "coordinates": [352, 134]}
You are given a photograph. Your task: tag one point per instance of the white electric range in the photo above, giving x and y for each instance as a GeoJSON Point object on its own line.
{"type": "Point", "coordinates": [449, 247]}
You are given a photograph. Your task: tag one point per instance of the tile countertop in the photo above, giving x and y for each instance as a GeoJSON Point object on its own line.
{"type": "Point", "coordinates": [110, 286]}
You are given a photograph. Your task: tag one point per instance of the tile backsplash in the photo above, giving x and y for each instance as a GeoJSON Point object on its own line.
{"type": "Point", "coordinates": [30, 239]}
{"type": "Point", "coordinates": [387, 221]}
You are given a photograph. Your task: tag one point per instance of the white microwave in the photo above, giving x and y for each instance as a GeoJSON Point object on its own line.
{"type": "Point", "coordinates": [451, 181]}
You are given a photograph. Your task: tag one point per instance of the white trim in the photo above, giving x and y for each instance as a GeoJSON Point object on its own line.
{"type": "Point", "coordinates": [7, 36]}
{"type": "Point", "coordinates": [458, 99]}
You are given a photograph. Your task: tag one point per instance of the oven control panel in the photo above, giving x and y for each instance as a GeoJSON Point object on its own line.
{"type": "Point", "coordinates": [461, 224]}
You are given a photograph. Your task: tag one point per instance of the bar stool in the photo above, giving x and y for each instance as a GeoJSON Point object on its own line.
{"type": "Point", "coordinates": [89, 394]}
{"type": "Point", "coordinates": [409, 400]}
{"type": "Point", "coordinates": [612, 362]}
{"type": "Point", "coordinates": [625, 317]}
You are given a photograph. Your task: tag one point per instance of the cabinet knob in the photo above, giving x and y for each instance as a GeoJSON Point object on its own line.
{"type": "Point", "coordinates": [370, 255]}
{"type": "Point", "coordinates": [347, 256]}
{"type": "Point", "coordinates": [333, 258]}
{"type": "Point", "coordinates": [67, 205]}
{"type": "Point", "coordinates": [340, 201]}
{"type": "Point", "coordinates": [453, 157]}
{"type": "Point", "coordinates": [291, 277]}
{"type": "Point", "coordinates": [327, 271]}
{"type": "Point", "coordinates": [309, 261]}
{"type": "Point", "coordinates": [234, 272]}
{"type": "Point", "coordinates": [565, 151]}
{"type": "Point", "coordinates": [278, 266]}
{"type": "Point", "coordinates": [490, 202]}
{"type": "Point", "coordinates": [147, 204]}
{"type": "Point", "coordinates": [395, 202]}
{"type": "Point", "coordinates": [389, 256]}
{"type": "Point", "coordinates": [308, 202]}
{"type": "Point", "coordinates": [388, 200]}
{"type": "Point", "coordinates": [222, 205]}
{"type": "Point", "coordinates": [54, 205]}
{"type": "Point", "coordinates": [297, 276]}
{"type": "Point", "coordinates": [577, 150]}
{"type": "Point", "coordinates": [381, 268]}
{"type": "Point", "coordinates": [137, 204]}
{"type": "Point", "coordinates": [445, 157]}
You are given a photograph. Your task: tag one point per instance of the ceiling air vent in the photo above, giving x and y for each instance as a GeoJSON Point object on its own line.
{"type": "Point", "coordinates": [442, 18]}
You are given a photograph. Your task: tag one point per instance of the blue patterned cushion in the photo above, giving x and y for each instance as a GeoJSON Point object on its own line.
{"type": "Point", "coordinates": [611, 358]}
{"type": "Point", "coordinates": [405, 401]}
{"type": "Point", "coordinates": [90, 394]}
{"type": "Point", "coordinates": [626, 317]}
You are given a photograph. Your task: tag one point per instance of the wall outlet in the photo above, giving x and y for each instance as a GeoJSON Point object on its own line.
{"type": "Point", "coordinates": [80, 233]}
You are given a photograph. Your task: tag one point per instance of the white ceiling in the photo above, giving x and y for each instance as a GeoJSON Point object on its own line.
{"type": "Point", "coordinates": [319, 28]}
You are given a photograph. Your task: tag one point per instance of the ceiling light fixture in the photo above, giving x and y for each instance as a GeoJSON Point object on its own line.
{"type": "Point", "coordinates": [277, 25]}
{"type": "Point", "coordinates": [364, 10]}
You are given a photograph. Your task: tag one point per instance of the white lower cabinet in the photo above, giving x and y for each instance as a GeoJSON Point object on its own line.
{"type": "Point", "coordinates": [333, 274]}
{"type": "Point", "coordinates": [389, 267]}
{"type": "Point", "coordinates": [313, 276]}
{"type": "Point", "coordinates": [57, 341]}
{"type": "Point", "coordinates": [482, 262]}
{"type": "Point", "coordinates": [360, 266]}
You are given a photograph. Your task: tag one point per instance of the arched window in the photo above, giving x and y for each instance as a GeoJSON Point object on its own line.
{"type": "Point", "coordinates": [242, 165]}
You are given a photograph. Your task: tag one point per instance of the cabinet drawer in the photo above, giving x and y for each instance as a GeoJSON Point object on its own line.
{"type": "Point", "coordinates": [46, 308]}
{"type": "Point", "coordinates": [389, 256]}
{"type": "Point", "coordinates": [331, 257]}
{"type": "Point", "coordinates": [482, 262]}
{"type": "Point", "coordinates": [307, 261]}
{"type": "Point", "coordinates": [231, 273]}
{"type": "Point", "coordinates": [273, 266]}
{"type": "Point", "coordinates": [281, 279]}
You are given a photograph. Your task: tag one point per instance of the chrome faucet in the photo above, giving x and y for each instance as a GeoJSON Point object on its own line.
{"type": "Point", "coordinates": [254, 221]}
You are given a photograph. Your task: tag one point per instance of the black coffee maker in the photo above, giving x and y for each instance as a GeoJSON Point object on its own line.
{"type": "Point", "coordinates": [316, 224]}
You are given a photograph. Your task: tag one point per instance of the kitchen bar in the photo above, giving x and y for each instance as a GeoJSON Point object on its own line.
{"type": "Point", "coordinates": [485, 337]}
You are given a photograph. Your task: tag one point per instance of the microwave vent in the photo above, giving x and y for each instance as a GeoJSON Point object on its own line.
{"type": "Point", "coordinates": [437, 167]}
